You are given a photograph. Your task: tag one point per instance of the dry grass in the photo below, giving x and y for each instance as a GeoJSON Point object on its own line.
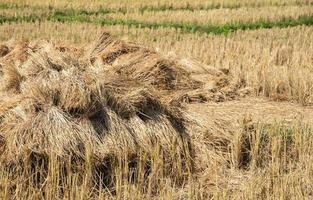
{"type": "Point", "coordinates": [202, 17]}
{"type": "Point", "coordinates": [93, 123]}
{"type": "Point", "coordinates": [13, 12]}
{"type": "Point", "coordinates": [274, 63]}
{"type": "Point", "coordinates": [218, 16]}
{"type": "Point", "coordinates": [108, 103]}
{"type": "Point", "coordinates": [55, 105]}
{"type": "Point", "coordinates": [86, 118]}
{"type": "Point", "coordinates": [137, 4]}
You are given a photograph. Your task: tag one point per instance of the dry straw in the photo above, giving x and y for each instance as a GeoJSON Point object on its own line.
{"type": "Point", "coordinates": [109, 120]}
{"type": "Point", "coordinates": [106, 102]}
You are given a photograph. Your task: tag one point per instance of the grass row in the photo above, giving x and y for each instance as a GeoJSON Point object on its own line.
{"type": "Point", "coordinates": [213, 6]}
{"type": "Point", "coordinates": [17, 19]}
{"type": "Point", "coordinates": [142, 9]}
{"type": "Point", "coordinates": [61, 16]}
{"type": "Point", "coordinates": [208, 29]}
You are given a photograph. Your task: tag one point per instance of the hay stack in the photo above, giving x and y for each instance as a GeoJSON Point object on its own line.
{"type": "Point", "coordinates": [110, 100]}
{"type": "Point", "coordinates": [177, 80]}
{"type": "Point", "coordinates": [53, 102]}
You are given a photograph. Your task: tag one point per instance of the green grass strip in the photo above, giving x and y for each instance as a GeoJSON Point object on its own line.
{"type": "Point", "coordinates": [213, 6]}
{"type": "Point", "coordinates": [76, 12]}
{"type": "Point", "coordinates": [19, 19]}
{"type": "Point", "coordinates": [185, 27]}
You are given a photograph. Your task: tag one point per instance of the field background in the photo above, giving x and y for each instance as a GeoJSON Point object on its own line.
{"type": "Point", "coordinates": [268, 43]}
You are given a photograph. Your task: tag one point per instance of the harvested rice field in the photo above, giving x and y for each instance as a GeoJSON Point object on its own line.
{"type": "Point", "coordinates": [165, 99]}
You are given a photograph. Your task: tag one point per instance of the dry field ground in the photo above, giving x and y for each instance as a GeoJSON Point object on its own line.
{"type": "Point", "coordinates": [165, 99]}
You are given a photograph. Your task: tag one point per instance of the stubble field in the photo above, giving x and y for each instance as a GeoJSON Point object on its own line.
{"type": "Point", "coordinates": [156, 99]}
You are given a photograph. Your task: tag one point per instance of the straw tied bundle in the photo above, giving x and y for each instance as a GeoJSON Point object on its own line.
{"type": "Point", "coordinates": [100, 104]}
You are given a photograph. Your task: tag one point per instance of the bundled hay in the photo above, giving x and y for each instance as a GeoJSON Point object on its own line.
{"type": "Point", "coordinates": [108, 102]}
{"type": "Point", "coordinates": [177, 80]}
{"type": "Point", "coordinates": [141, 64]}
{"type": "Point", "coordinates": [56, 103]}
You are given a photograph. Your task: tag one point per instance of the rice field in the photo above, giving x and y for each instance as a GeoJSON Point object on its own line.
{"type": "Point", "coordinates": [161, 99]}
